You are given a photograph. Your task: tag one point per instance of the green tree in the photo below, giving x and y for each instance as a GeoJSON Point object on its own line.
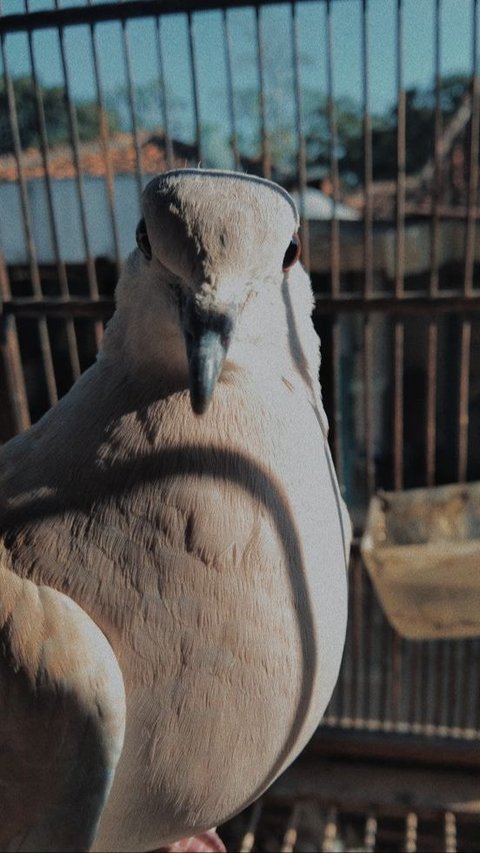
{"type": "Point", "coordinates": [56, 116]}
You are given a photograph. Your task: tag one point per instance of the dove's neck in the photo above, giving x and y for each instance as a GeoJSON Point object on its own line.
{"type": "Point", "coordinates": [144, 337]}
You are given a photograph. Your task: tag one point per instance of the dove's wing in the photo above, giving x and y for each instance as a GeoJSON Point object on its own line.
{"type": "Point", "coordinates": [62, 719]}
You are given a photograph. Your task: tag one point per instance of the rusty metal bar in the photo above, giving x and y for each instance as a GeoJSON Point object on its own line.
{"type": "Point", "coordinates": [301, 145]}
{"type": "Point", "coordinates": [370, 835]}
{"type": "Point", "coordinates": [12, 360]}
{"type": "Point", "coordinates": [265, 142]}
{"type": "Point", "coordinates": [429, 678]}
{"type": "Point", "coordinates": [227, 40]}
{"type": "Point", "coordinates": [463, 400]}
{"type": "Point", "coordinates": [367, 155]}
{"type": "Point", "coordinates": [104, 141]}
{"type": "Point", "coordinates": [439, 687]}
{"type": "Point", "coordinates": [413, 703]}
{"type": "Point", "coordinates": [450, 826]}
{"type": "Point", "coordinates": [368, 253]}
{"type": "Point", "coordinates": [75, 144]}
{"type": "Point", "coordinates": [465, 691]}
{"type": "Point", "coordinates": [471, 224]}
{"type": "Point", "coordinates": [330, 831]}
{"type": "Point", "coordinates": [368, 404]}
{"type": "Point", "coordinates": [333, 146]}
{"type": "Point", "coordinates": [44, 340]}
{"type": "Point", "coordinates": [397, 667]}
{"type": "Point", "coordinates": [438, 150]}
{"type": "Point", "coordinates": [356, 611]}
{"type": "Point", "coordinates": [163, 95]}
{"type": "Point", "coordinates": [368, 645]}
{"type": "Point", "coordinates": [431, 403]}
{"type": "Point", "coordinates": [61, 269]}
{"type": "Point", "coordinates": [133, 109]}
{"type": "Point", "coordinates": [337, 406]}
{"type": "Point", "coordinates": [398, 350]}
{"type": "Point", "coordinates": [248, 840]}
{"type": "Point", "coordinates": [195, 89]}
{"type": "Point", "coordinates": [401, 157]}
{"type": "Point", "coordinates": [384, 691]}
{"type": "Point", "coordinates": [291, 832]}
{"type": "Point", "coordinates": [14, 377]}
{"type": "Point", "coordinates": [411, 826]}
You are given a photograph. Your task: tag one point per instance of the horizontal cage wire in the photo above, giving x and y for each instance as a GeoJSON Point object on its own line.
{"type": "Point", "coordinates": [389, 207]}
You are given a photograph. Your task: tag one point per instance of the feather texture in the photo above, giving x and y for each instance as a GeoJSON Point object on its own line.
{"type": "Point", "coordinates": [209, 550]}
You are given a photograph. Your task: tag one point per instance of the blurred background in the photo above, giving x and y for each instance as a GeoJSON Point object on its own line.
{"type": "Point", "coordinates": [368, 112]}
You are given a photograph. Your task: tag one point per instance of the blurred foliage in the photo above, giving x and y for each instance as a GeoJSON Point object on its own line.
{"type": "Point", "coordinates": [56, 116]}
{"type": "Point", "coordinates": [281, 130]}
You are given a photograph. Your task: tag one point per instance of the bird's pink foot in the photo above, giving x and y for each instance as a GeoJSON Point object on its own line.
{"type": "Point", "coordinates": [206, 842]}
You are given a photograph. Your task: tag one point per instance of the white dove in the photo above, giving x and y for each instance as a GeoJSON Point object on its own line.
{"type": "Point", "coordinates": [173, 543]}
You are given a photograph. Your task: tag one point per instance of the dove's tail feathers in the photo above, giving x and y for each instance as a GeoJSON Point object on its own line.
{"type": "Point", "coordinates": [62, 712]}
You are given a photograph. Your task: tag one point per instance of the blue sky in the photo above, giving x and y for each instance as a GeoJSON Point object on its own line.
{"type": "Point", "coordinates": [456, 50]}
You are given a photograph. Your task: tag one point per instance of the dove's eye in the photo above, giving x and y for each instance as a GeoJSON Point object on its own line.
{"type": "Point", "coordinates": [143, 242]}
{"type": "Point", "coordinates": [292, 254]}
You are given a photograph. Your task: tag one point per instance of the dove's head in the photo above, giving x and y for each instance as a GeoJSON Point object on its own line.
{"type": "Point", "coordinates": [206, 283]}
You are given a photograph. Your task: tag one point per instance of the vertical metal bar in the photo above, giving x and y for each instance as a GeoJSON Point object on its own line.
{"type": "Point", "coordinates": [432, 344]}
{"type": "Point", "coordinates": [475, 688]}
{"type": "Point", "coordinates": [333, 148]}
{"type": "Point", "coordinates": [291, 832]}
{"type": "Point", "coordinates": [330, 831]}
{"type": "Point", "coordinates": [399, 332]}
{"type": "Point", "coordinates": [367, 156]}
{"type": "Point", "coordinates": [457, 709]}
{"type": "Point", "coordinates": [370, 836]}
{"type": "Point", "coordinates": [163, 95]}
{"type": "Point", "coordinates": [337, 403]}
{"type": "Point", "coordinates": [11, 357]}
{"type": "Point", "coordinates": [450, 833]}
{"type": "Point", "coordinates": [265, 142]}
{"type": "Point", "coordinates": [44, 340]}
{"type": "Point", "coordinates": [368, 404]}
{"type": "Point", "coordinates": [61, 269]}
{"type": "Point", "coordinates": [368, 253]}
{"type": "Point", "coordinates": [230, 94]}
{"type": "Point", "coordinates": [401, 158]}
{"type": "Point", "coordinates": [248, 840]}
{"type": "Point", "coordinates": [476, 707]}
{"type": "Point", "coordinates": [368, 663]}
{"type": "Point", "coordinates": [385, 671]}
{"type": "Point", "coordinates": [439, 673]}
{"type": "Point", "coordinates": [471, 225]}
{"type": "Point", "coordinates": [195, 90]}
{"type": "Point", "coordinates": [133, 109]}
{"type": "Point", "coordinates": [397, 659]}
{"type": "Point", "coordinates": [398, 350]}
{"type": "Point", "coordinates": [465, 691]}
{"type": "Point", "coordinates": [463, 399]}
{"type": "Point", "coordinates": [429, 684]}
{"type": "Point", "coordinates": [411, 824]}
{"type": "Point", "coordinates": [75, 143]}
{"type": "Point", "coordinates": [438, 151]}
{"type": "Point", "coordinates": [431, 402]}
{"type": "Point", "coordinates": [301, 146]}
{"type": "Point", "coordinates": [357, 653]}
{"type": "Point", "coordinates": [103, 127]}
{"type": "Point", "coordinates": [415, 653]}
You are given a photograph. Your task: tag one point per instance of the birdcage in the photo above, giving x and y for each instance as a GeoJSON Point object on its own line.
{"type": "Point", "coordinates": [96, 98]}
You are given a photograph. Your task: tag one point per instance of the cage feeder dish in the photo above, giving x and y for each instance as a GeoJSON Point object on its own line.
{"type": "Point", "coordinates": [421, 548]}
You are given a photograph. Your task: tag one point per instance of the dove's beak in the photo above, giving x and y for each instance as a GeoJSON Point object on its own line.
{"type": "Point", "coordinates": [207, 338]}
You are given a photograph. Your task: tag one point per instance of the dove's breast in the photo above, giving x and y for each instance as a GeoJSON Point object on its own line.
{"type": "Point", "coordinates": [216, 569]}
